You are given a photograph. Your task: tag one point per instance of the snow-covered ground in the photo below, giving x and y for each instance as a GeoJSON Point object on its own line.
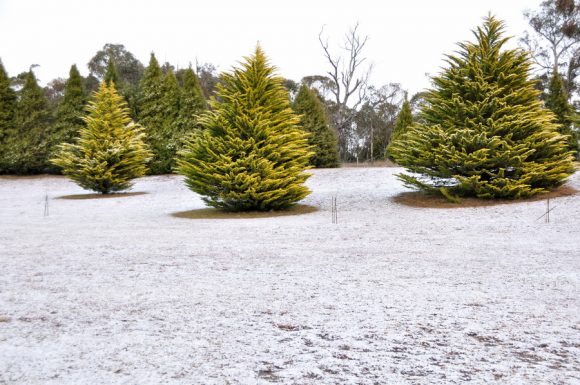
{"type": "Point", "coordinates": [120, 291]}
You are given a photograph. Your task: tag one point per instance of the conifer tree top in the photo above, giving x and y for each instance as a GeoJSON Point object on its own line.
{"type": "Point", "coordinates": [153, 66]}
{"type": "Point", "coordinates": [252, 153]}
{"type": "Point", "coordinates": [111, 76]}
{"type": "Point", "coordinates": [3, 73]}
{"type": "Point", "coordinates": [484, 130]}
{"type": "Point", "coordinates": [74, 84]}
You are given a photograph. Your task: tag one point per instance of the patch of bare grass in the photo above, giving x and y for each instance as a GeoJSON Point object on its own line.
{"type": "Point", "coordinates": [376, 163]}
{"type": "Point", "coordinates": [423, 200]}
{"type": "Point", "coordinates": [212, 213]}
{"type": "Point", "coordinates": [100, 196]}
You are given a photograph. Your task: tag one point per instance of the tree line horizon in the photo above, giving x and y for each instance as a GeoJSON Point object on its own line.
{"type": "Point", "coordinates": [340, 114]}
{"type": "Point", "coordinates": [363, 116]}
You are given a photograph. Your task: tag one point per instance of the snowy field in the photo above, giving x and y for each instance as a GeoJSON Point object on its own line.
{"type": "Point", "coordinates": [120, 291]}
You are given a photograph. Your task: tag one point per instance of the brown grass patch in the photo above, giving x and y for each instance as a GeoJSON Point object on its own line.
{"type": "Point", "coordinates": [376, 163]}
{"type": "Point", "coordinates": [212, 213]}
{"type": "Point", "coordinates": [423, 200]}
{"type": "Point", "coordinates": [31, 177]}
{"type": "Point", "coordinates": [100, 196]}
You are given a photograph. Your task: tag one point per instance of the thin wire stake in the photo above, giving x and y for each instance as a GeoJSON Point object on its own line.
{"type": "Point", "coordinates": [334, 210]}
{"type": "Point", "coordinates": [46, 212]}
{"type": "Point", "coordinates": [546, 215]}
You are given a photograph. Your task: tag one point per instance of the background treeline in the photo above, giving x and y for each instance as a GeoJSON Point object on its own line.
{"type": "Point", "coordinates": [350, 120]}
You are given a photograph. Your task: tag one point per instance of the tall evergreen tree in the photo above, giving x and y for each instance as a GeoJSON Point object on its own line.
{"type": "Point", "coordinates": [7, 119]}
{"type": "Point", "coordinates": [402, 124]}
{"type": "Point", "coordinates": [7, 105]}
{"type": "Point", "coordinates": [252, 153]}
{"type": "Point", "coordinates": [27, 149]}
{"type": "Point", "coordinates": [404, 120]}
{"type": "Point", "coordinates": [70, 111]}
{"type": "Point", "coordinates": [110, 150]}
{"type": "Point", "coordinates": [557, 101]}
{"type": "Point", "coordinates": [111, 76]}
{"type": "Point", "coordinates": [192, 102]}
{"type": "Point", "coordinates": [170, 133]}
{"type": "Point", "coordinates": [313, 120]}
{"type": "Point", "coordinates": [158, 107]}
{"type": "Point", "coordinates": [485, 133]}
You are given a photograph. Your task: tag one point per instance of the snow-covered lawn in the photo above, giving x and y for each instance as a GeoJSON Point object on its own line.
{"type": "Point", "coordinates": [120, 291]}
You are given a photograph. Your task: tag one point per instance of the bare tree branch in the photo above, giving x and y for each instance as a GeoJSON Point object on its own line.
{"type": "Point", "coordinates": [349, 81]}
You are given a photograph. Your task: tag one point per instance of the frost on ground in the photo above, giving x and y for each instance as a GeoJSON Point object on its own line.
{"type": "Point", "coordinates": [119, 291]}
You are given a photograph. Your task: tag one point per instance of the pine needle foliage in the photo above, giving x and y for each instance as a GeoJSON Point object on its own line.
{"type": "Point", "coordinates": [252, 153]}
{"type": "Point", "coordinates": [7, 119]}
{"type": "Point", "coordinates": [314, 121]}
{"type": "Point", "coordinates": [158, 113]}
{"type": "Point", "coordinates": [192, 102]}
{"type": "Point", "coordinates": [7, 105]}
{"type": "Point", "coordinates": [171, 130]}
{"type": "Point", "coordinates": [26, 148]}
{"type": "Point", "coordinates": [557, 101]}
{"type": "Point", "coordinates": [110, 150]}
{"type": "Point", "coordinates": [70, 111]}
{"type": "Point", "coordinates": [402, 123]}
{"type": "Point", "coordinates": [111, 76]}
{"type": "Point", "coordinates": [485, 132]}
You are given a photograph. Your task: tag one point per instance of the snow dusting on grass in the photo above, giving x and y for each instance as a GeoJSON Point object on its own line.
{"type": "Point", "coordinates": [122, 291]}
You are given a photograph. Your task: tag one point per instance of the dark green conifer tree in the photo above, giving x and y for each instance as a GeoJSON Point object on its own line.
{"type": "Point", "coordinates": [192, 102]}
{"type": "Point", "coordinates": [557, 101]}
{"type": "Point", "coordinates": [110, 150]}
{"type": "Point", "coordinates": [313, 120]}
{"type": "Point", "coordinates": [152, 114]}
{"type": "Point", "coordinates": [402, 123]}
{"type": "Point", "coordinates": [7, 119]}
{"type": "Point", "coordinates": [170, 137]}
{"type": "Point", "coordinates": [252, 153]}
{"type": "Point", "coordinates": [70, 111]}
{"type": "Point", "coordinates": [26, 150]}
{"type": "Point", "coordinates": [7, 105]}
{"type": "Point", "coordinates": [485, 132]}
{"type": "Point", "coordinates": [111, 76]}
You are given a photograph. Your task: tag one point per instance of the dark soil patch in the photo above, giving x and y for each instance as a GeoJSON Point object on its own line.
{"type": "Point", "coordinates": [31, 177]}
{"type": "Point", "coordinates": [212, 213]}
{"type": "Point", "coordinates": [100, 196]}
{"type": "Point", "coordinates": [420, 199]}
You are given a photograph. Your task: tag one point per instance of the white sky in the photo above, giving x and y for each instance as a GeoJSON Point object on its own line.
{"type": "Point", "coordinates": [407, 39]}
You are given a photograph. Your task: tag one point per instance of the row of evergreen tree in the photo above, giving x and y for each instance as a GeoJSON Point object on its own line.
{"type": "Point", "coordinates": [483, 132]}
{"type": "Point", "coordinates": [30, 130]}
{"type": "Point", "coordinates": [168, 109]}
{"type": "Point", "coordinates": [250, 151]}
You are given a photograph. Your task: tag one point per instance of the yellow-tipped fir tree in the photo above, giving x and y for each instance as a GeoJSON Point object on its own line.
{"type": "Point", "coordinates": [251, 154]}
{"type": "Point", "coordinates": [484, 130]}
{"type": "Point", "coordinates": [110, 150]}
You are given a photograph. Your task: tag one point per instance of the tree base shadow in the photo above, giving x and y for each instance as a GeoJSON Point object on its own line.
{"type": "Point", "coordinates": [100, 196]}
{"type": "Point", "coordinates": [422, 200]}
{"type": "Point", "coordinates": [213, 213]}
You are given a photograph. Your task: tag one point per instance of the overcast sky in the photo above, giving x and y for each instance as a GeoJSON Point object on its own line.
{"type": "Point", "coordinates": [407, 39]}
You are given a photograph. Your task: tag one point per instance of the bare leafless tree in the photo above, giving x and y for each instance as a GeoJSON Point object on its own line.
{"type": "Point", "coordinates": [376, 118]}
{"type": "Point", "coordinates": [349, 73]}
{"type": "Point", "coordinates": [555, 42]}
